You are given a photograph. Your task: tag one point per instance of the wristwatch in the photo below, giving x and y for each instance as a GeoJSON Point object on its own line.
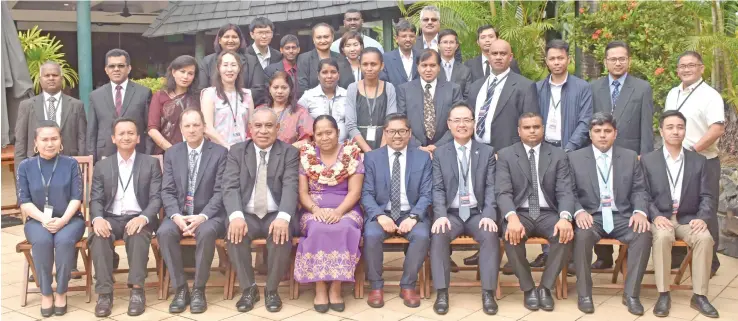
{"type": "Point", "coordinates": [413, 217]}
{"type": "Point", "coordinates": [565, 216]}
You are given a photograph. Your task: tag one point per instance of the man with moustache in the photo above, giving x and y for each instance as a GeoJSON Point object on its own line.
{"type": "Point", "coordinates": [430, 22]}
{"type": "Point", "coordinates": [399, 64]}
{"type": "Point", "coordinates": [353, 21]}
{"type": "Point", "coordinates": [453, 70]}
{"type": "Point", "coordinates": [481, 66]}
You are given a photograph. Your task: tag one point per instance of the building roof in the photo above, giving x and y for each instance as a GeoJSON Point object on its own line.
{"type": "Point", "coordinates": [192, 16]}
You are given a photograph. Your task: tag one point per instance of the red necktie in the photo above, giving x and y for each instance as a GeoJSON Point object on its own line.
{"type": "Point", "coordinates": [118, 99]}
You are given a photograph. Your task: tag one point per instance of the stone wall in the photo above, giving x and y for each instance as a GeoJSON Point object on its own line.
{"type": "Point", "coordinates": [727, 210]}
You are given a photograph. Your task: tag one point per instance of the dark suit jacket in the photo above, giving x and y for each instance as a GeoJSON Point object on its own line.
{"type": "Point", "coordinates": [146, 183]}
{"type": "Point", "coordinates": [375, 194]}
{"type": "Point", "coordinates": [102, 114]}
{"type": "Point", "coordinates": [252, 74]}
{"type": "Point", "coordinates": [633, 111]}
{"type": "Point", "coordinates": [208, 198]}
{"type": "Point", "coordinates": [627, 181]}
{"type": "Point", "coordinates": [460, 75]}
{"type": "Point", "coordinates": [240, 176]}
{"type": "Point", "coordinates": [446, 178]}
{"type": "Point", "coordinates": [477, 69]}
{"type": "Point", "coordinates": [695, 201]}
{"type": "Point", "coordinates": [518, 96]}
{"type": "Point", "coordinates": [275, 54]}
{"type": "Point", "coordinates": [307, 71]}
{"type": "Point", "coordinates": [418, 47]}
{"type": "Point", "coordinates": [394, 70]}
{"type": "Point", "coordinates": [410, 102]}
{"type": "Point", "coordinates": [576, 110]}
{"type": "Point", "coordinates": [73, 126]}
{"type": "Point", "coordinates": [553, 177]}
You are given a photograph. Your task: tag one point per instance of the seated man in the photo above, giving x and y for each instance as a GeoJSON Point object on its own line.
{"type": "Point", "coordinates": [611, 200]}
{"type": "Point", "coordinates": [260, 195]}
{"type": "Point", "coordinates": [396, 194]}
{"type": "Point", "coordinates": [680, 207]}
{"type": "Point", "coordinates": [193, 205]}
{"type": "Point", "coordinates": [124, 205]}
{"type": "Point", "coordinates": [464, 204]}
{"type": "Point", "coordinates": [537, 199]}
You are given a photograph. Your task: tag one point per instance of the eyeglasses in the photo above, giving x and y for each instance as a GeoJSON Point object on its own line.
{"type": "Point", "coordinates": [393, 132]}
{"type": "Point", "coordinates": [265, 33]}
{"type": "Point", "coordinates": [118, 66]}
{"type": "Point", "coordinates": [448, 43]}
{"type": "Point", "coordinates": [621, 60]}
{"type": "Point", "coordinates": [430, 19]}
{"type": "Point", "coordinates": [457, 121]}
{"type": "Point", "coordinates": [689, 66]}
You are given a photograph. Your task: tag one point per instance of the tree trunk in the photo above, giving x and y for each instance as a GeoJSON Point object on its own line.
{"type": "Point", "coordinates": [492, 8]}
{"type": "Point", "coordinates": [716, 67]}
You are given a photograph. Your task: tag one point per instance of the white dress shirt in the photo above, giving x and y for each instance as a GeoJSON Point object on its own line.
{"type": "Point", "coordinates": [675, 171]}
{"type": "Point", "coordinates": [469, 184]}
{"type": "Point", "coordinates": [407, 63]}
{"type": "Point", "coordinates": [57, 105]}
{"type": "Point", "coordinates": [537, 153]}
{"type": "Point", "coordinates": [553, 121]}
{"type": "Point", "coordinates": [197, 168]}
{"type": "Point", "coordinates": [432, 88]}
{"type": "Point", "coordinates": [263, 59]}
{"type": "Point", "coordinates": [482, 97]}
{"type": "Point", "coordinates": [124, 86]}
{"type": "Point", "coordinates": [271, 204]}
{"type": "Point", "coordinates": [433, 44]}
{"type": "Point", "coordinates": [404, 203]}
{"type": "Point", "coordinates": [448, 67]}
{"type": "Point", "coordinates": [318, 103]}
{"type": "Point", "coordinates": [702, 109]}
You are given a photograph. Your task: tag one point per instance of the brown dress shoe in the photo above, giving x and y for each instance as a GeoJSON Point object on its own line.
{"type": "Point", "coordinates": [410, 298]}
{"type": "Point", "coordinates": [376, 298]}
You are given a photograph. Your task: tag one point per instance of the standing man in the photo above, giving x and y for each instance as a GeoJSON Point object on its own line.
{"type": "Point", "coordinates": [193, 206]}
{"type": "Point", "coordinates": [399, 64]}
{"type": "Point", "coordinates": [262, 31]}
{"type": "Point", "coordinates": [704, 109]}
{"type": "Point", "coordinates": [124, 205]}
{"type": "Point", "coordinates": [353, 21]}
{"type": "Point", "coordinates": [307, 62]}
{"type": "Point", "coordinates": [481, 66]}
{"type": "Point", "coordinates": [430, 21]}
{"type": "Point", "coordinates": [453, 70]}
{"type": "Point", "coordinates": [119, 98]}
{"type": "Point", "coordinates": [289, 46]}
{"type": "Point", "coordinates": [681, 207]}
{"type": "Point", "coordinates": [611, 202]}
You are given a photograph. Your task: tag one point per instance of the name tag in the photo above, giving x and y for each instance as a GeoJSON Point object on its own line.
{"type": "Point", "coordinates": [188, 200]}
{"type": "Point", "coordinates": [236, 135]}
{"type": "Point", "coordinates": [606, 201]}
{"type": "Point", "coordinates": [48, 213]}
{"type": "Point", "coordinates": [464, 200]}
{"type": "Point", "coordinates": [371, 133]}
{"type": "Point", "coordinates": [674, 206]}
{"type": "Point", "coordinates": [553, 123]}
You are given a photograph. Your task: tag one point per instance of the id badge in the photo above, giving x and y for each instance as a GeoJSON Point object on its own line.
{"type": "Point", "coordinates": [674, 206]}
{"type": "Point", "coordinates": [48, 213]}
{"type": "Point", "coordinates": [464, 200]}
{"type": "Point", "coordinates": [371, 133]}
{"type": "Point", "coordinates": [188, 200]}
{"type": "Point", "coordinates": [606, 201]}
{"type": "Point", "coordinates": [236, 135]}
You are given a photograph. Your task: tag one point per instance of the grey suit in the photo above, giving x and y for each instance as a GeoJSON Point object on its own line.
{"type": "Point", "coordinates": [146, 183]}
{"type": "Point", "coordinates": [445, 188]}
{"type": "Point", "coordinates": [410, 102]}
{"type": "Point", "coordinates": [629, 189]}
{"type": "Point", "coordinates": [251, 72]}
{"type": "Point", "coordinates": [238, 184]}
{"type": "Point", "coordinates": [460, 75]}
{"type": "Point", "coordinates": [207, 200]}
{"type": "Point", "coordinates": [73, 126]}
{"type": "Point", "coordinates": [477, 69]}
{"type": "Point", "coordinates": [555, 182]}
{"type": "Point", "coordinates": [307, 71]}
{"type": "Point", "coordinates": [102, 114]}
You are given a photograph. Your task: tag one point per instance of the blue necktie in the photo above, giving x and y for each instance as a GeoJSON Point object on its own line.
{"type": "Point", "coordinates": [615, 92]}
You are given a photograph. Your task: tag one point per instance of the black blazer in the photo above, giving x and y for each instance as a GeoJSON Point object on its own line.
{"type": "Point", "coordinates": [307, 71]}
{"type": "Point", "coordinates": [477, 70]}
{"type": "Point", "coordinates": [208, 198]}
{"type": "Point", "coordinates": [419, 47]}
{"type": "Point", "coordinates": [410, 101]}
{"type": "Point", "coordinates": [252, 74]}
{"type": "Point", "coordinates": [275, 54]}
{"type": "Point", "coordinates": [460, 75]}
{"type": "Point", "coordinates": [696, 199]}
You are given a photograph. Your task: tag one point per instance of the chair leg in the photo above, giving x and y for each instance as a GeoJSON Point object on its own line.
{"type": "Point", "coordinates": [24, 287]}
{"type": "Point", "coordinates": [292, 275]}
{"type": "Point", "coordinates": [622, 256]}
{"type": "Point", "coordinates": [87, 261]}
{"type": "Point", "coordinates": [359, 279]}
{"type": "Point", "coordinates": [427, 267]}
{"type": "Point", "coordinates": [565, 281]}
{"type": "Point", "coordinates": [421, 280]}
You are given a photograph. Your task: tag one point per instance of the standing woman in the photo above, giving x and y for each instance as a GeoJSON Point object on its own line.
{"type": "Point", "coordinates": [50, 193]}
{"type": "Point", "coordinates": [227, 105]}
{"type": "Point", "coordinates": [352, 45]}
{"type": "Point", "coordinates": [327, 98]}
{"type": "Point", "coordinates": [167, 104]}
{"type": "Point", "coordinates": [295, 123]}
{"type": "Point", "coordinates": [368, 101]}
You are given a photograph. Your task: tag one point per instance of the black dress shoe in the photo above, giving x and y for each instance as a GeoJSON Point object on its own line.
{"type": "Point", "coordinates": [545, 300]}
{"type": "Point", "coordinates": [530, 300]}
{"type": "Point", "coordinates": [272, 301]}
{"type": "Point", "coordinates": [602, 264]}
{"type": "Point", "coordinates": [540, 261]}
{"type": "Point", "coordinates": [489, 305]}
{"type": "Point", "coordinates": [472, 260]}
{"type": "Point", "coordinates": [59, 311]}
{"type": "Point", "coordinates": [104, 305]}
{"type": "Point", "coordinates": [48, 312]}
{"type": "Point", "coordinates": [571, 270]}
{"type": "Point", "coordinates": [199, 302]}
{"type": "Point", "coordinates": [634, 304]}
{"type": "Point", "coordinates": [137, 303]}
{"type": "Point", "coordinates": [321, 308]}
{"type": "Point", "coordinates": [338, 307]}
{"type": "Point", "coordinates": [663, 305]}
{"type": "Point", "coordinates": [585, 304]}
{"type": "Point", "coordinates": [507, 269]}
{"type": "Point", "coordinates": [703, 306]}
{"type": "Point", "coordinates": [441, 304]}
{"type": "Point", "coordinates": [249, 297]}
{"type": "Point", "coordinates": [180, 301]}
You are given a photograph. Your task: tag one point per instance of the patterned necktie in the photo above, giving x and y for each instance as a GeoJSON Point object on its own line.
{"type": "Point", "coordinates": [191, 177]}
{"type": "Point", "coordinates": [486, 69]}
{"type": "Point", "coordinates": [534, 205]}
{"type": "Point", "coordinates": [260, 195]}
{"type": "Point", "coordinates": [615, 92]}
{"type": "Point", "coordinates": [395, 188]}
{"type": "Point", "coordinates": [464, 212]}
{"type": "Point", "coordinates": [429, 113]}
{"type": "Point", "coordinates": [607, 220]}
{"type": "Point", "coordinates": [51, 111]}
{"type": "Point", "coordinates": [481, 128]}
{"type": "Point", "coordinates": [118, 99]}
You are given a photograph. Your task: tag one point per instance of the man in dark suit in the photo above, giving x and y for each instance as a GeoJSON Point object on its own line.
{"type": "Point", "coordinates": [399, 64]}
{"type": "Point", "coordinates": [124, 205]}
{"type": "Point", "coordinates": [427, 101]}
{"type": "Point", "coordinates": [289, 46]}
{"type": "Point", "coordinates": [395, 199]}
{"type": "Point", "coordinates": [119, 98]}
{"type": "Point", "coordinates": [193, 206]}
{"type": "Point", "coordinates": [611, 202]}
{"type": "Point", "coordinates": [261, 30]}
{"type": "Point", "coordinates": [453, 70]}
{"type": "Point", "coordinates": [480, 66]}
{"type": "Point", "coordinates": [307, 62]}
{"type": "Point", "coordinates": [630, 100]}
{"type": "Point", "coordinates": [681, 206]}
{"type": "Point", "coordinates": [539, 205]}
{"type": "Point", "coordinates": [464, 204]}
{"type": "Point", "coordinates": [260, 202]}
{"type": "Point", "coordinates": [430, 22]}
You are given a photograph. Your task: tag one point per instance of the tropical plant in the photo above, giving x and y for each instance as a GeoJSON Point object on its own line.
{"type": "Point", "coordinates": [155, 84]}
{"type": "Point", "coordinates": [39, 49]}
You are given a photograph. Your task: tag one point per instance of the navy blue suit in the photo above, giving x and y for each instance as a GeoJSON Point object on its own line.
{"type": "Point", "coordinates": [394, 70]}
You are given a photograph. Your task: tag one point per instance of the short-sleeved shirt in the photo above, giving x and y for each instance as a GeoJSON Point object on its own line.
{"type": "Point", "coordinates": [703, 108]}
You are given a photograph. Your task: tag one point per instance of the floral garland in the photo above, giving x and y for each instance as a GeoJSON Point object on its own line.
{"type": "Point", "coordinates": [344, 167]}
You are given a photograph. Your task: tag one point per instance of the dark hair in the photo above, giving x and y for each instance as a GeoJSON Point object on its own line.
{"type": "Point", "coordinates": [671, 113]}
{"type": "Point", "coordinates": [48, 124]}
{"type": "Point", "coordinates": [328, 118]}
{"type": "Point", "coordinates": [289, 39]}
{"type": "Point", "coordinates": [396, 116]}
{"type": "Point", "coordinates": [290, 97]}
{"type": "Point", "coordinates": [327, 61]}
{"type": "Point", "coordinates": [404, 25]}
{"type": "Point", "coordinates": [557, 44]}
{"type": "Point", "coordinates": [217, 82]}
{"type": "Point", "coordinates": [348, 36]}
{"type": "Point", "coordinates": [601, 118]}
{"type": "Point", "coordinates": [323, 24]}
{"type": "Point", "coordinates": [177, 64]}
{"type": "Point", "coordinates": [261, 22]}
{"type": "Point", "coordinates": [460, 104]}
{"type": "Point", "coordinates": [370, 50]}
{"type": "Point", "coordinates": [529, 114]}
{"type": "Point", "coordinates": [483, 29]}
{"type": "Point", "coordinates": [690, 53]}
{"type": "Point", "coordinates": [617, 44]}
{"type": "Point", "coordinates": [190, 110]}
{"type": "Point", "coordinates": [123, 120]}
{"type": "Point", "coordinates": [351, 11]}
{"type": "Point", "coordinates": [428, 54]}
{"type": "Point", "coordinates": [447, 32]}
{"type": "Point", "coordinates": [117, 53]}
{"type": "Point", "coordinates": [242, 41]}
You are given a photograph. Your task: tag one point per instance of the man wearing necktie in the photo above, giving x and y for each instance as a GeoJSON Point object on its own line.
{"type": "Point", "coordinates": [289, 46]}
{"type": "Point", "coordinates": [611, 203]}
{"type": "Point", "coordinates": [453, 70]}
{"type": "Point", "coordinates": [534, 193]}
{"type": "Point", "coordinates": [464, 204]}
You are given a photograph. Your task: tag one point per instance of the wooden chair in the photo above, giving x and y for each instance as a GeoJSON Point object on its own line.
{"type": "Point", "coordinates": [537, 241]}
{"type": "Point", "coordinates": [8, 158]}
{"type": "Point", "coordinates": [86, 169]}
{"type": "Point", "coordinates": [258, 244]}
{"type": "Point", "coordinates": [360, 274]}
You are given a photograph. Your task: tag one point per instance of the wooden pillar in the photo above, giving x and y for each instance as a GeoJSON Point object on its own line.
{"type": "Point", "coordinates": [387, 31]}
{"type": "Point", "coordinates": [200, 45]}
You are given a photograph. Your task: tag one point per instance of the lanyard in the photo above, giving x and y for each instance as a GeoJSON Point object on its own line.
{"type": "Point", "coordinates": [690, 95]}
{"type": "Point", "coordinates": [233, 112]}
{"type": "Point", "coordinates": [465, 173]}
{"type": "Point", "coordinates": [671, 179]}
{"type": "Point", "coordinates": [125, 187]}
{"type": "Point", "coordinates": [605, 178]}
{"type": "Point", "coordinates": [43, 180]}
{"type": "Point", "coordinates": [555, 105]}
{"type": "Point", "coordinates": [374, 99]}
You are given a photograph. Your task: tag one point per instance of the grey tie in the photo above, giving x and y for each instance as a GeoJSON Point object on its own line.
{"type": "Point", "coordinates": [395, 188]}
{"type": "Point", "coordinates": [534, 205]}
{"type": "Point", "coordinates": [191, 178]}
{"type": "Point", "coordinates": [51, 111]}
{"type": "Point", "coordinates": [260, 195]}
{"type": "Point", "coordinates": [449, 71]}
{"type": "Point", "coordinates": [464, 211]}
{"type": "Point", "coordinates": [615, 92]}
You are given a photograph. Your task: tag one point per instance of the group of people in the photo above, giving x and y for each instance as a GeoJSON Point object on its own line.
{"type": "Point", "coordinates": [336, 147]}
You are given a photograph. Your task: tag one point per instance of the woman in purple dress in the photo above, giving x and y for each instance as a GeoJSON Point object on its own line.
{"type": "Point", "coordinates": [331, 176]}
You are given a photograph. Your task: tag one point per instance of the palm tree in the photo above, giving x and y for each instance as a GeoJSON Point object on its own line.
{"type": "Point", "coordinates": [39, 49]}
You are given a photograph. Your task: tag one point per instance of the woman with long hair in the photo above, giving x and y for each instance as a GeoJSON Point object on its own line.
{"type": "Point", "coordinates": [295, 123]}
{"type": "Point", "coordinates": [327, 98]}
